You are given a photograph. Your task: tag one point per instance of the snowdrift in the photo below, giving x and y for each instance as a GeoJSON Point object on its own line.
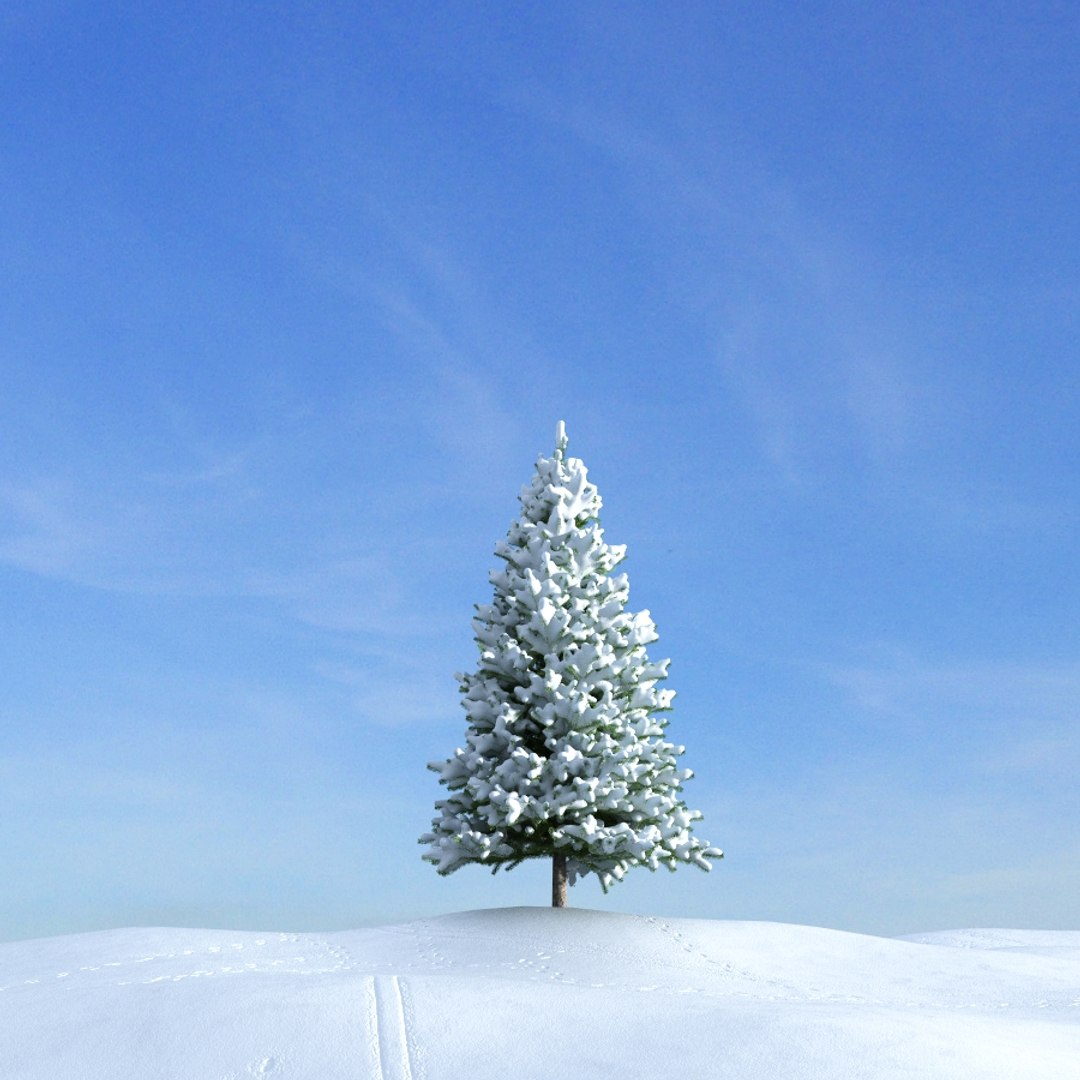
{"type": "Point", "coordinates": [536, 992]}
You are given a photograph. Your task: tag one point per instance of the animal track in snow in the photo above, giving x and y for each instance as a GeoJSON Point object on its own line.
{"type": "Point", "coordinates": [309, 956]}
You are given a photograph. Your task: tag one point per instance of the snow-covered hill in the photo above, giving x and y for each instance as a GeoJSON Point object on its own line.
{"type": "Point", "coordinates": [535, 992]}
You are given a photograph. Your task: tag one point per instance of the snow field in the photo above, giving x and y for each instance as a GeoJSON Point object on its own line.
{"type": "Point", "coordinates": [532, 992]}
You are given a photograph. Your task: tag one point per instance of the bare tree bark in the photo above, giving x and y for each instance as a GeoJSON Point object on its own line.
{"type": "Point", "coordinates": [558, 881]}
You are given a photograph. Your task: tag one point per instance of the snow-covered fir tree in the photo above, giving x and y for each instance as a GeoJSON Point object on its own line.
{"type": "Point", "coordinates": [565, 755]}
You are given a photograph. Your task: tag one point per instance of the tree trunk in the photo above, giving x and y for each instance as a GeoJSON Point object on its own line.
{"type": "Point", "coordinates": [558, 881]}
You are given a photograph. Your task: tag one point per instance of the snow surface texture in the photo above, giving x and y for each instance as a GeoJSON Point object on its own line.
{"type": "Point", "coordinates": [535, 992]}
{"type": "Point", "coordinates": [565, 750]}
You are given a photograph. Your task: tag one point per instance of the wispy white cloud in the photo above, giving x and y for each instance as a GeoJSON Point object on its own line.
{"type": "Point", "coordinates": [462, 392]}
{"type": "Point", "coordinates": [211, 522]}
{"type": "Point", "coordinates": [1036, 893]}
{"type": "Point", "coordinates": [979, 506]}
{"type": "Point", "coordinates": [904, 687]}
{"type": "Point", "coordinates": [363, 594]}
{"type": "Point", "coordinates": [772, 407]}
{"type": "Point", "coordinates": [46, 531]}
{"type": "Point", "coordinates": [810, 338]}
{"type": "Point", "coordinates": [1006, 731]}
{"type": "Point", "coordinates": [113, 537]}
{"type": "Point", "coordinates": [228, 468]}
{"type": "Point", "coordinates": [1053, 752]}
{"type": "Point", "coordinates": [880, 398]}
{"type": "Point", "coordinates": [406, 695]}
{"type": "Point", "coordinates": [127, 526]}
{"type": "Point", "coordinates": [36, 780]}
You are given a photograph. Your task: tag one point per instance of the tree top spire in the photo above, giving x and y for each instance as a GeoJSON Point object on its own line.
{"type": "Point", "coordinates": [561, 440]}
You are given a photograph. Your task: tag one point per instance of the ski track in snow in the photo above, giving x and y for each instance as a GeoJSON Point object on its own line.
{"type": "Point", "coordinates": [392, 1032]}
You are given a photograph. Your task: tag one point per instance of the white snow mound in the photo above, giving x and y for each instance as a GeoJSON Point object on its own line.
{"type": "Point", "coordinates": [536, 992]}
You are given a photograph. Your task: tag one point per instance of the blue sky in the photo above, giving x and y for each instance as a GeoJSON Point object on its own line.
{"type": "Point", "coordinates": [292, 298]}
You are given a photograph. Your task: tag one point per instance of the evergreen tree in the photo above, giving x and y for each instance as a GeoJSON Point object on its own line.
{"type": "Point", "coordinates": [564, 752]}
